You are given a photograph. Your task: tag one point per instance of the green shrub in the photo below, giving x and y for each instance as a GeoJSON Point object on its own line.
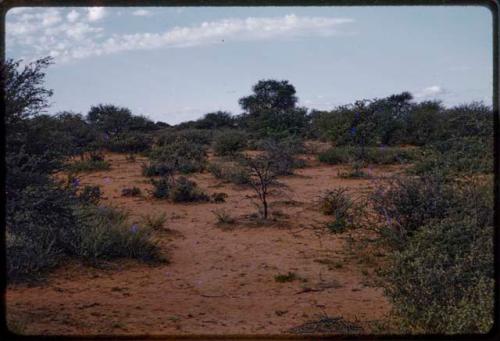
{"type": "Point", "coordinates": [230, 142]}
{"type": "Point", "coordinates": [181, 156]}
{"type": "Point", "coordinates": [223, 218]}
{"type": "Point", "coordinates": [336, 155]}
{"type": "Point", "coordinates": [191, 136]}
{"type": "Point", "coordinates": [230, 172]}
{"type": "Point", "coordinates": [161, 187]}
{"type": "Point", "coordinates": [356, 171]}
{"type": "Point", "coordinates": [130, 142]}
{"type": "Point", "coordinates": [218, 197]}
{"type": "Point", "coordinates": [283, 153]}
{"type": "Point", "coordinates": [106, 234]}
{"type": "Point", "coordinates": [466, 155]}
{"type": "Point", "coordinates": [90, 195]}
{"type": "Point", "coordinates": [131, 192]}
{"type": "Point", "coordinates": [339, 204]}
{"type": "Point", "coordinates": [185, 190]}
{"type": "Point", "coordinates": [289, 277]}
{"type": "Point", "coordinates": [157, 169]}
{"type": "Point", "coordinates": [442, 282]}
{"type": "Point", "coordinates": [154, 222]}
{"type": "Point", "coordinates": [87, 166]}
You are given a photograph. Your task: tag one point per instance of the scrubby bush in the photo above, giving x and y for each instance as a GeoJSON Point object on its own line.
{"type": "Point", "coordinates": [157, 169]}
{"type": "Point", "coordinates": [231, 172]}
{"type": "Point", "coordinates": [228, 143]}
{"type": "Point", "coordinates": [440, 277]}
{"type": "Point", "coordinates": [466, 155]}
{"type": "Point", "coordinates": [283, 153]}
{"type": "Point", "coordinates": [346, 211]}
{"type": "Point", "coordinates": [129, 143]}
{"type": "Point", "coordinates": [90, 195]}
{"type": "Point", "coordinates": [154, 222]}
{"type": "Point", "coordinates": [161, 187]}
{"type": "Point", "coordinates": [336, 155]}
{"type": "Point", "coordinates": [376, 155]}
{"type": "Point", "coordinates": [181, 156]}
{"type": "Point", "coordinates": [442, 282]}
{"type": "Point", "coordinates": [131, 192]}
{"type": "Point", "coordinates": [218, 197]}
{"type": "Point", "coordinates": [106, 234]}
{"type": "Point", "coordinates": [185, 190]}
{"type": "Point", "coordinates": [189, 136]}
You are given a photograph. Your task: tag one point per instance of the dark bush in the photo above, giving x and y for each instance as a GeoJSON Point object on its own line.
{"type": "Point", "coordinates": [131, 192]}
{"type": "Point", "coordinates": [185, 190]}
{"type": "Point", "coordinates": [161, 187]}
{"type": "Point", "coordinates": [181, 156]}
{"type": "Point", "coordinates": [190, 136]}
{"type": "Point", "coordinates": [157, 169]}
{"type": "Point", "coordinates": [90, 195]}
{"type": "Point", "coordinates": [283, 153]}
{"type": "Point", "coordinates": [218, 197]}
{"type": "Point", "coordinates": [227, 143]}
{"type": "Point", "coordinates": [230, 172]}
{"type": "Point", "coordinates": [129, 143]}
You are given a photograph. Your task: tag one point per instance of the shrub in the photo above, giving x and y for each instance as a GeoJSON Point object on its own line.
{"type": "Point", "coordinates": [283, 152]}
{"type": "Point", "coordinates": [154, 222]}
{"type": "Point", "coordinates": [467, 155]}
{"type": "Point", "coordinates": [218, 197]}
{"type": "Point", "coordinates": [442, 282]}
{"type": "Point", "coordinates": [185, 190]}
{"type": "Point", "coordinates": [129, 143]}
{"type": "Point", "coordinates": [356, 171]}
{"type": "Point", "coordinates": [161, 187]}
{"type": "Point", "coordinates": [338, 203]}
{"type": "Point", "coordinates": [227, 143]}
{"type": "Point", "coordinates": [289, 277]}
{"type": "Point", "coordinates": [106, 234]}
{"type": "Point", "coordinates": [223, 218]}
{"type": "Point", "coordinates": [90, 195]}
{"type": "Point", "coordinates": [131, 192]}
{"type": "Point", "coordinates": [335, 155]}
{"type": "Point", "coordinates": [87, 166]}
{"type": "Point", "coordinates": [233, 173]}
{"type": "Point", "coordinates": [190, 136]}
{"type": "Point", "coordinates": [157, 169]}
{"type": "Point", "coordinates": [182, 156]}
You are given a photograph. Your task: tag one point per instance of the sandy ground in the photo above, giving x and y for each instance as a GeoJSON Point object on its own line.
{"type": "Point", "coordinates": [219, 281]}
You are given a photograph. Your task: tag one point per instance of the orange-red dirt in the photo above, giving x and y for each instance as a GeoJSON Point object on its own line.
{"type": "Point", "coordinates": [219, 281]}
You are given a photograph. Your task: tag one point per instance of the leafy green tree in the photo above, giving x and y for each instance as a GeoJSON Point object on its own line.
{"type": "Point", "coordinates": [269, 95]}
{"type": "Point", "coordinates": [390, 114]}
{"type": "Point", "coordinates": [215, 120]}
{"type": "Point", "coordinates": [109, 118]}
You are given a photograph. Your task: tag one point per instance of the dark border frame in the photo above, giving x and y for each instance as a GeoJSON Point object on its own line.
{"type": "Point", "coordinates": [492, 5]}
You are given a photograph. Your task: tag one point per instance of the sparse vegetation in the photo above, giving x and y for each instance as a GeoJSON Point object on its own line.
{"type": "Point", "coordinates": [131, 192]}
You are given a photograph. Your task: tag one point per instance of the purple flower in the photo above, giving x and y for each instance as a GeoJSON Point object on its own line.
{"type": "Point", "coordinates": [107, 180]}
{"type": "Point", "coordinates": [382, 146]}
{"type": "Point", "coordinates": [106, 136]}
{"type": "Point", "coordinates": [134, 228]}
{"type": "Point", "coordinates": [75, 182]}
{"type": "Point", "coordinates": [356, 115]}
{"type": "Point", "coordinates": [353, 131]}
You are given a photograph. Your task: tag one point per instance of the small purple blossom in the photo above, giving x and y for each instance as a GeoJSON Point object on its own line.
{"type": "Point", "coordinates": [134, 228]}
{"type": "Point", "coordinates": [75, 182]}
{"type": "Point", "coordinates": [356, 115]}
{"type": "Point", "coordinates": [383, 146]}
{"type": "Point", "coordinates": [106, 136]}
{"type": "Point", "coordinates": [107, 180]}
{"type": "Point", "coordinates": [353, 131]}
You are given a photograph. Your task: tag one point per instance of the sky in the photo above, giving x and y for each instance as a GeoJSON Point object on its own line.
{"type": "Point", "coordinates": [175, 64]}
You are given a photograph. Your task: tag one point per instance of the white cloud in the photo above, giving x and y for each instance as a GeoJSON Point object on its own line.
{"type": "Point", "coordinates": [430, 91]}
{"type": "Point", "coordinates": [141, 13]}
{"type": "Point", "coordinates": [73, 16]}
{"type": "Point", "coordinates": [80, 38]}
{"type": "Point", "coordinates": [96, 13]}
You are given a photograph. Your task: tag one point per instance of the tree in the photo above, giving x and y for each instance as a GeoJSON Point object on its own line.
{"type": "Point", "coordinates": [269, 95]}
{"type": "Point", "coordinates": [262, 178]}
{"type": "Point", "coordinates": [109, 118]}
{"type": "Point", "coordinates": [390, 114]}
{"type": "Point", "coordinates": [215, 120]}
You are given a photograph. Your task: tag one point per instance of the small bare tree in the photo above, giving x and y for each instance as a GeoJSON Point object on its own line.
{"type": "Point", "coordinates": [262, 178]}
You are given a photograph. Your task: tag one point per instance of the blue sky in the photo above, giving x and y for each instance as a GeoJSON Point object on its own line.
{"type": "Point", "coordinates": [176, 64]}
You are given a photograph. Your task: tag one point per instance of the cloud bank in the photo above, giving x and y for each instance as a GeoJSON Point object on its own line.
{"type": "Point", "coordinates": [75, 34]}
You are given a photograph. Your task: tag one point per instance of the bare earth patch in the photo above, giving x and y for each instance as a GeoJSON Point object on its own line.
{"type": "Point", "coordinates": [219, 281]}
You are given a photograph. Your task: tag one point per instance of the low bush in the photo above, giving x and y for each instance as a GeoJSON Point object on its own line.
{"type": "Point", "coordinates": [289, 277]}
{"type": "Point", "coordinates": [106, 234]}
{"type": "Point", "coordinates": [90, 195]}
{"type": "Point", "coordinates": [185, 190]}
{"type": "Point", "coordinates": [356, 171]}
{"type": "Point", "coordinates": [230, 172]}
{"type": "Point", "coordinates": [181, 156]}
{"type": "Point", "coordinates": [161, 187]}
{"type": "Point", "coordinates": [375, 155]}
{"type": "Point", "coordinates": [191, 136]}
{"type": "Point", "coordinates": [218, 197]}
{"type": "Point", "coordinates": [338, 203]}
{"type": "Point", "coordinates": [157, 169]}
{"type": "Point", "coordinates": [228, 143]}
{"type": "Point", "coordinates": [283, 153]}
{"type": "Point", "coordinates": [154, 222]}
{"type": "Point", "coordinates": [336, 155]}
{"type": "Point", "coordinates": [129, 143]}
{"type": "Point", "coordinates": [87, 166]}
{"type": "Point", "coordinates": [223, 218]}
{"type": "Point", "coordinates": [131, 192]}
